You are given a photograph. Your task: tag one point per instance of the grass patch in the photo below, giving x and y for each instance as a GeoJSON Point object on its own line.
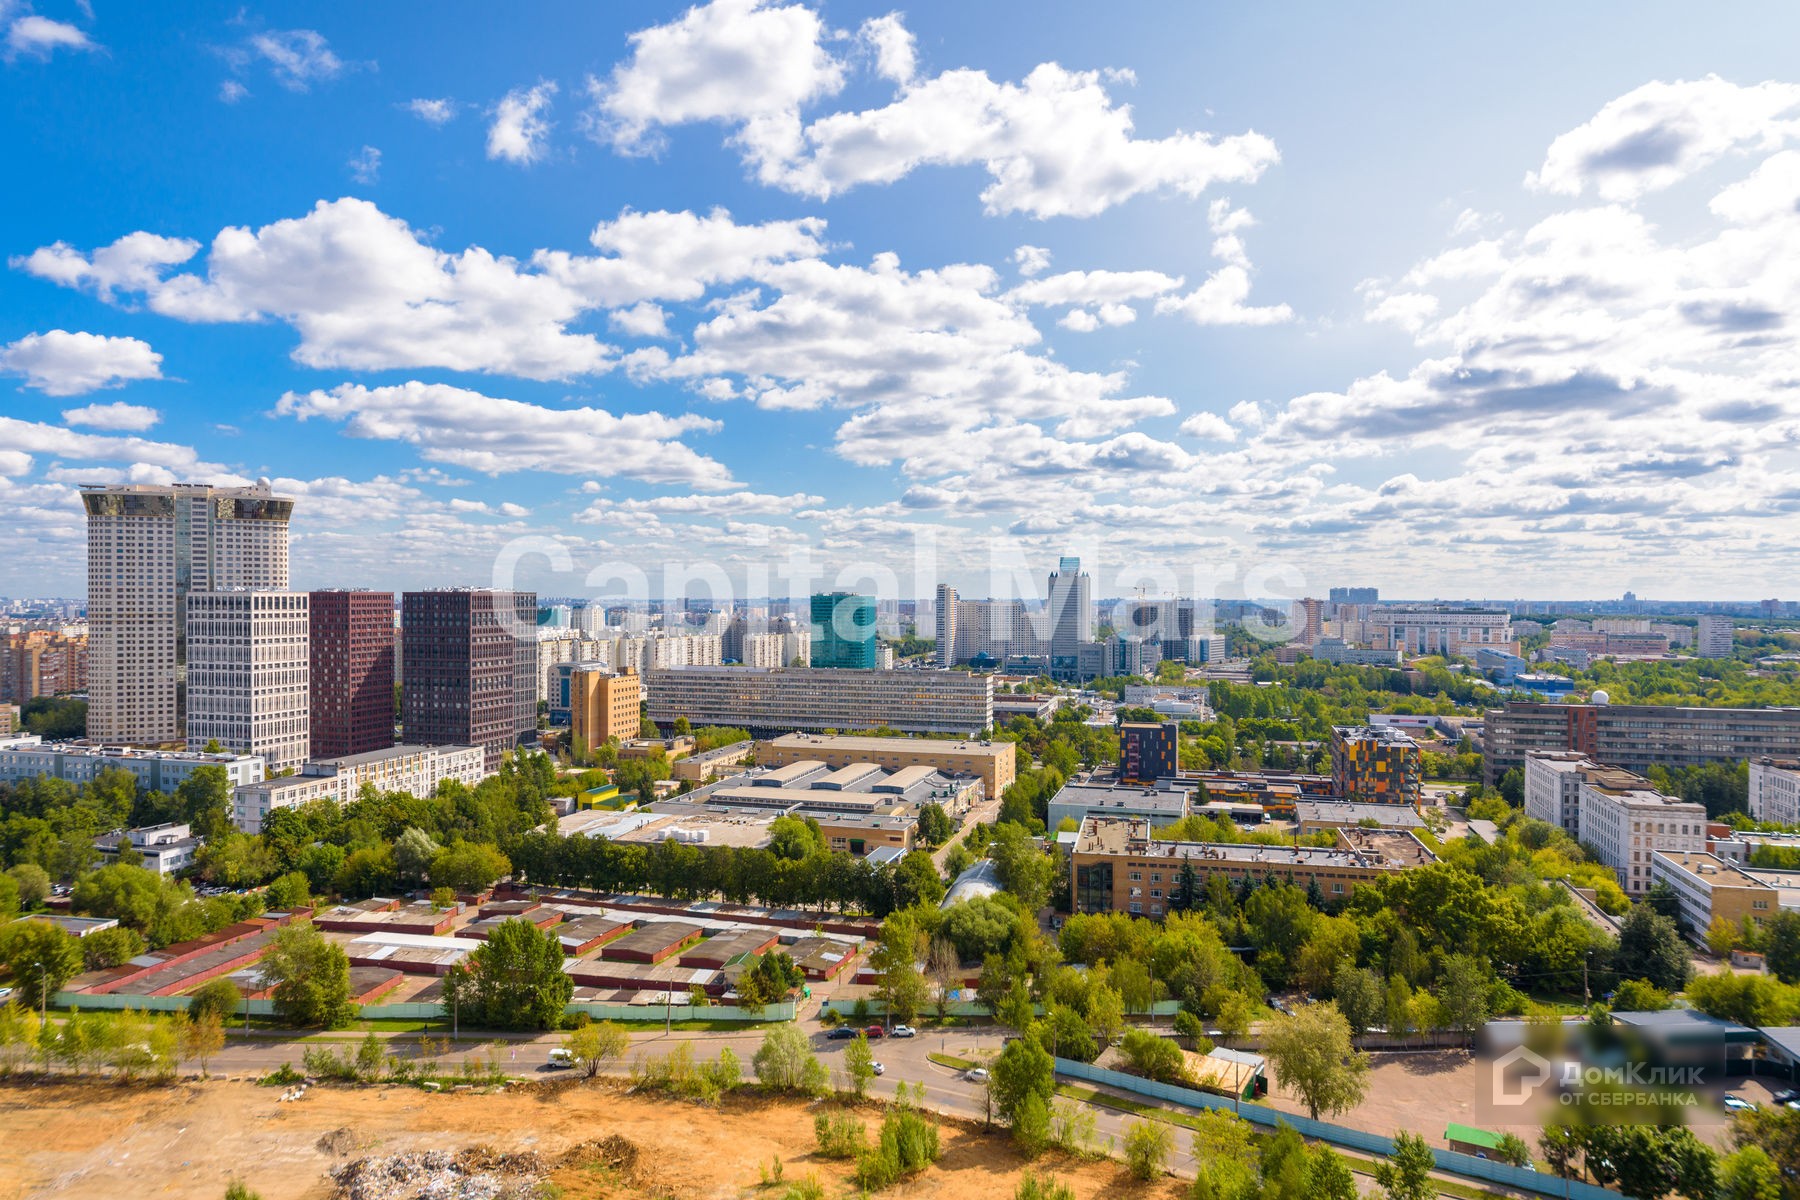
{"type": "Point", "coordinates": [951, 1060]}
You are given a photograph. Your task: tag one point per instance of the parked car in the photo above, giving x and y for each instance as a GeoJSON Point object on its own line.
{"type": "Point", "coordinates": [1787, 1095]}
{"type": "Point", "coordinates": [842, 1033]}
{"type": "Point", "coordinates": [1739, 1104]}
{"type": "Point", "coordinates": [875, 1031]}
{"type": "Point", "coordinates": [976, 1075]}
{"type": "Point", "coordinates": [561, 1060]}
{"type": "Point", "coordinates": [903, 1031]}
{"type": "Point", "coordinates": [879, 1069]}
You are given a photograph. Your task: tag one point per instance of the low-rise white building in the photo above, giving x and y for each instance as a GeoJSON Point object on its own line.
{"type": "Point", "coordinates": [1775, 790]}
{"type": "Point", "coordinates": [415, 770]}
{"type": "Point", "coordinates": [28, 756]}
{"type": "Point", "coordinates": [164, 849]}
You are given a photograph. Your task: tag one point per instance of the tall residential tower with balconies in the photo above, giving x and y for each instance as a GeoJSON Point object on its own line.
{"type": "Point", "coordinates": [149, 548]}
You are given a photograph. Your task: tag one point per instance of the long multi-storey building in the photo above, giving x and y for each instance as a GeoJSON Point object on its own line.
{"type": "Point", "coordinates": [42, 662]}
{"type": "Point", "coordinates": [28, 756]}
{"type": "Point", "coordinates": [1775, 790]}
{"type": "Point", "coordinates": [149, 548]}
{"type": "Point", "coordinates": [469, 655]}
{"type": "Point", "coordinates": [247, 668]}
{"type": "Point", "coordinates": [998, 629]}
{"type": "Point", "coordinates": [994, 763]}
{"type": "Point", "coordinates": [415, 770]}
{"type": "Point", "coordinates": [1637, 736]}
{"type": "Point", "coordinates": [805, 698]}
{"type": "Point", "coordinates": [352, 678]}
{"type": "Point", "coordinates": [1376, 764]}
{"type": "Point", "coordinates": [1624, 821]}
{"type": "Point", "coordinates": [1116, 866]}
{"type": "Point", "coordinates": [1707, 887]}
{"type": "Point", "coordinates": [1440, 630]}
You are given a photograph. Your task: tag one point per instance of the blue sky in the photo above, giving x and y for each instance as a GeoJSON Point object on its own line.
{"type": "Point", "coordinates": [1236, 300]}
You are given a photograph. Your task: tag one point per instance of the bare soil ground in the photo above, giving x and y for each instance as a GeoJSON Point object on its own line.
{"type": "Point", "coordinates": [189, 1140]}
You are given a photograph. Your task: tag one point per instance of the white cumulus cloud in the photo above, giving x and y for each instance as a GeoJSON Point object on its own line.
{"type": "Point", "coordinates": [519, 129]}
{"type": "Point", "coordinates": [61, 363]}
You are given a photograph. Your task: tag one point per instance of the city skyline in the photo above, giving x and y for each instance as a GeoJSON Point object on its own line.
{"type": "Point", "coordinates": [654, 286]}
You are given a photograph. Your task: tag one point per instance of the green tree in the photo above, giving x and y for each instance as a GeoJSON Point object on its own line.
{"type": "Point", "coordinates": [110, 947]}
{"type": "Point", "coordinates": [595, 1042]}
{"type": "Point", "coordinates": [202, 1036]}
{"type": "Point", "coordinates": [1330, 1178]}
{"type": "Point", "coordinates": [1023, 1068]}
{"type": "Point", "coordinates": [310, 978]}
{"type": "Point", "coordinates": [1513, 1150]}
{"type": "Point", "coordinates": [935, 826]}
{"type": "Point", "coordinates": [859, 1065]}
{"type": "Point", "coordinates": [1154, 1057]}
{"type": "Point", "coordinates": [288, 891]}
{"type": "Point", "coordinates": [1749, 1174]}
{"type": "Point", "coordinates": [1463, 991]}
{"type": "Point", "coordinates": [414, 853]}
{"type": "Point", "coordinates": [794, 838]}
{"type": "Point", "coordinates": [468, 867]}
{"type": "Point", "coordinates": [1148, 1145]}
{"type": "Point", "coordinates": [1406, 1174]}
{"type": "Point", "coordinates": [1359, 995]}
{"type": "Point", "coordinates": [1312, 1055]}
{"type": "Point", "coordinates": [1023, 869]}
{"type": "Point", "coordinates": [1031, 1125]}
{"type": "Point", "coordinates": [1781, 945]}
{"type": "Point", "coordinates": [216, 997]}
{"type": "Point", "coordinates": [785, 1062]}
{"type": "Point", "coordinates": [40, 958]}
{"type": "Point", "coordinates": [514, 980]}
{"type": "Point", "coordinates": [1650, 948]}
{"type": "Point", "coordinates": [1639, 995]}
{"type": "Point", "coordinates": [33, 883]}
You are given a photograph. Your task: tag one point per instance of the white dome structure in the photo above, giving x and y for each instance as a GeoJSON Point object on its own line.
{"type": "Point", "coordinates": [1600, 697]}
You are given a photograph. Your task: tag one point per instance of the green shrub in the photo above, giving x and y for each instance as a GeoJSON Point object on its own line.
{"type": "Point", "coordinates": [1033, 1186]}
{"type": "Point", "coordinates": [1147, 1148]}
{"type": "Point", "coordinates": [840, 1135]}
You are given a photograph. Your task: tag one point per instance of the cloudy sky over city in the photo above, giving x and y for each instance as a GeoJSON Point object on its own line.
{"type": "Point", "coordinates": [1459, 304]}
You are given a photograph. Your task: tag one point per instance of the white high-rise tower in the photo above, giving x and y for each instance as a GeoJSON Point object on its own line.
{"type": "Point", "coordinates": [148, 548]}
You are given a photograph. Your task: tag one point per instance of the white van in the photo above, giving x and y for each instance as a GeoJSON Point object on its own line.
{"type": "Point", "coordinates": [561, 1060]}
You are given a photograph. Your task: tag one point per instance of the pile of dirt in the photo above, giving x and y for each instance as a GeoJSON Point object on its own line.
{"type": "Point", "coordinates": [616, 1153]}
{"type": "Point", "coordinates": [477, 1173]}
{"type": "Point", "coordinates": [339, 1142]}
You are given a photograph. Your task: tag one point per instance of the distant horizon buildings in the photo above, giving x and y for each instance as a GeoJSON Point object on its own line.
{"type": "Point", "coordinates": [148, 548]}
{"type": "Point", "coordinates": [1071, 594]}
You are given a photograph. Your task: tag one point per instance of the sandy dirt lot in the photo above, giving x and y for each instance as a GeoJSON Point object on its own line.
{"type": "Point", "coordinates": [189, 1140]}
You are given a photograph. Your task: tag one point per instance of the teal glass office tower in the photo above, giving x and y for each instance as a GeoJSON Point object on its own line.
{"type": "Point", "coordinates": [843, 631]}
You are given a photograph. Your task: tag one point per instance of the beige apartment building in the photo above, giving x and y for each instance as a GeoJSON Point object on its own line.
{"type": "Point", "coordinates": [604, 704]}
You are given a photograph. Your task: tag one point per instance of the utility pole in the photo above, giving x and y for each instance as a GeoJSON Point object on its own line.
{"type": "Point", "coordinates": [44, 1013]}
